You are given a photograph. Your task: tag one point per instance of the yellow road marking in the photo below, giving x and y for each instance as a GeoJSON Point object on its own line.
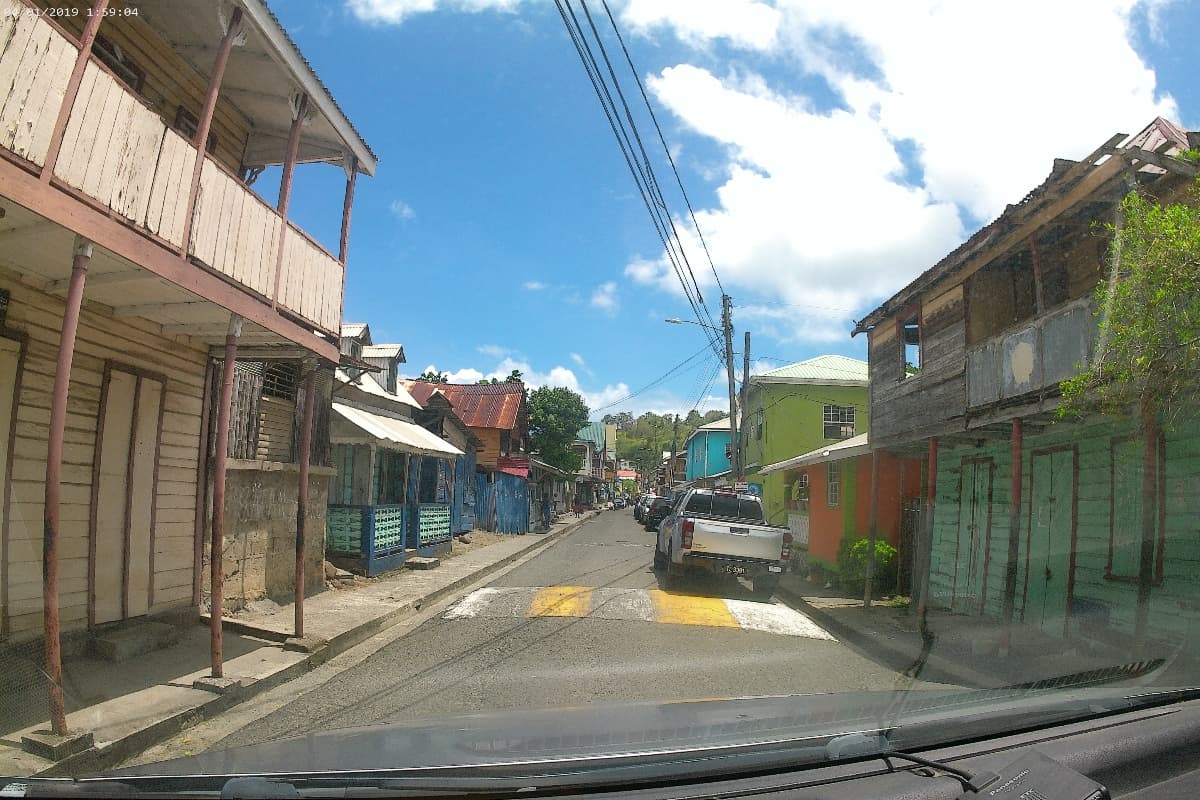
{"type": "Point", "coordinates": [562, 601]}
{"type": "Point", "coordinates": [686, 610]}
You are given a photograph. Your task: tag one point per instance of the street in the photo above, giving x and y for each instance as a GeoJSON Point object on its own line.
{"type": "Point", "coordinates": [583, 622]}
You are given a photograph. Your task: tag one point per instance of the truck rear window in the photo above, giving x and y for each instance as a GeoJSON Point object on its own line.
{"type": "Point", "coordinates": [729, 506]}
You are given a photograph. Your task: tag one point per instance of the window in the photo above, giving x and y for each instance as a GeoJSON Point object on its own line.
{"type": "Point", "coordinates": [910, 347]}
{"type": "Point", "coordinates": [186, 123]}
{"type": "Point", "coordinates": [833, 484]}
{"type": "Point", "coordinates": [1126, 459]}
{"type": "Point", "coordinates": [839, 422]}
{"type": "Point", "coordinates": [111, 56]}
{"type": "Point", "coordinates": [729, 506]}
{"type": "Point", "coordinates": [279, 379]}
{"type": "Point", "coordinates": [760, 424]}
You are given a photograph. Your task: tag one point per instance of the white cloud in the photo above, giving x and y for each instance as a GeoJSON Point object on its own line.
{"type": "Point", "coordinates": [534, 286]}
{"type": "Point", "coordinates": [578, 359]}
{"type": "Point", "coordinates": [744, 22]}
{"type": "Point", "coordinates": [605, 297]}
{"type": "Point", "coordinates": [394, 12]}
{"type": "Point", "coordinates": [839, 208]}
{"type": "Point", "coordinates": [401, 210]}
{"type": "Point", "coordinates": [493, 350]}
{"type": "Point", "coordinates": [467, 375]}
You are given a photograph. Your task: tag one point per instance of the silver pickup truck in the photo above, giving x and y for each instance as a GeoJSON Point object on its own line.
{"type": "Point", "coordinates": [722, 532]}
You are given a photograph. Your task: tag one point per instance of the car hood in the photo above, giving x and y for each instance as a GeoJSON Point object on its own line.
{"type": "Point", "coordinates": [643, 732]}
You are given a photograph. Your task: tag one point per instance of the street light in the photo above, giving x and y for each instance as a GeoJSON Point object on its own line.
{"type": "Point", "coordinates": [727, 330]}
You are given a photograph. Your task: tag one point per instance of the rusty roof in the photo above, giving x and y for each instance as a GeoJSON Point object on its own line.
{"type": "Point", "coordinates": [482, 405]}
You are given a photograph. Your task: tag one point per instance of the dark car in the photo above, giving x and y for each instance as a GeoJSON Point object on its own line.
{"type": "Point", "coordinates": [619, 502]}
{"type": "Point", "coordinates": [656, 512]}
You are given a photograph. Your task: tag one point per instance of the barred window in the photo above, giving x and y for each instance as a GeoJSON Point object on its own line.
{"type": "Point", "coordinates": [280, 379]}
{"type": "Point", "coordinates": [839, 422]}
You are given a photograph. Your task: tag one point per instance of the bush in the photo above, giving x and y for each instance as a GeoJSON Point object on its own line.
{"type": "Point", "coordinates": [852, 566]}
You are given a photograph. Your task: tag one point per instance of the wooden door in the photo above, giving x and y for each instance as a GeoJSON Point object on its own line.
{"type": "Point", "coordinates": [1051, 540]}
{"type": "Point", "coordinates": [126, 473]}
{"type": "Point", "coordinates": [974, 533]}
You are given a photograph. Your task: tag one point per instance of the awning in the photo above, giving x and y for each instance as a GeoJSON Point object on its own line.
{"type": "Point", "coordinates": [405, 436]}
{"type": "Point", "coordinates": [848, 448]}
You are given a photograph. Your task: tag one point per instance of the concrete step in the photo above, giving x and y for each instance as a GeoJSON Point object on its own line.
{"type": "Point", "coordinates": [131, 639]}
{"type": "Point", "coordinates": [420, 562]}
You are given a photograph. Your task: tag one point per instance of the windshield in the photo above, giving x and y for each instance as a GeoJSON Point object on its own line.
{"type": "Point", "coordinates": [375, 364]}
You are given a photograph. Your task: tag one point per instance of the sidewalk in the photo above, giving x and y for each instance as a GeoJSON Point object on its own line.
{"type": "Point", "coordinates": [964, 649]}
{"type": "Point", "coordinates": [131, 705]}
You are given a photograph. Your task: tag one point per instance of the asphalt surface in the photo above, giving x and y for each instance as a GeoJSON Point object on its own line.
{"type": "Point", "coordinates": [584, 622]}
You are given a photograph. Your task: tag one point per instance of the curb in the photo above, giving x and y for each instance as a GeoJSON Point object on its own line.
{"type": "Point", "coordinates": [936, 668]}
{"type": "Point", "coordinates": [107, 754]}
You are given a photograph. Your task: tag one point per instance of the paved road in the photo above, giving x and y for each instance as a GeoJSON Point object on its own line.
{"type": "Point", "coordinates": [583, 622]}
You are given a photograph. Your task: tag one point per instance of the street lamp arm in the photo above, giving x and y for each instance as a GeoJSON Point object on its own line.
{"type": "Point", "coordinates": [678, 321]}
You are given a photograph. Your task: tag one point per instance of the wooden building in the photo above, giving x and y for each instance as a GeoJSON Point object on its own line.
{"type": "Point", "coordinates": [1035, 518]}
{"type": "Point", "coordinates": [142, 277]}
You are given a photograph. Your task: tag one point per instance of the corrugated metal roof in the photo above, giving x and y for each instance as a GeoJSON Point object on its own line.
{"type": "Point", "coordinates": [370, 385]}
{"type": "Point", "coordinates": [407, 436]}
{"type": "Point", "coordinates": [382, 350]}
{"type": "Point", "coordinates": [847, 448]}
{"type": "Point", "coordinates": [829, 369]}
{"type": "Point", "coordinates": [481, 405]}
{"type": "Point", "coordinates": [592, 432]}
{"type": "Point", "coordinates": [352, 330]}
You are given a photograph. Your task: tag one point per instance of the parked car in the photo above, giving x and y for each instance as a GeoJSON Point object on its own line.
{"type": "Point", "coordinates": [723, 532]}
{"type": "Point", "coordinates": [619, 502]}
{"type": "Point", "coordinates": [639, 510]}
{"type": "Point", "coordinates": [656, 512]}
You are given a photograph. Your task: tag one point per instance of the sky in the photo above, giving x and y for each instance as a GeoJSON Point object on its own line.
{"type": "Point", "coordinates": [831, 152]}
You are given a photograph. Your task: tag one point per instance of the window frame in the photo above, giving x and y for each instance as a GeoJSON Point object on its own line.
{"type": "Point", "coordinates": [833, 484]}
{"type": "Point", "coordinates": [838, 417]}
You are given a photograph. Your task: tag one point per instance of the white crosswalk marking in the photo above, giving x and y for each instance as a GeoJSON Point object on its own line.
{"type": "Point", "coordinates": [643, 605]}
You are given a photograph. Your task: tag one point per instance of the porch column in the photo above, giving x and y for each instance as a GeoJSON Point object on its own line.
{"type": "Point", "coordinates": [216, 555]}
{"type": "Point", "coordinates": [873, 532]}
{"type": "Point", "coordinates": [204, 121]}
{"type": "Point", "coordinates": [1014, 535]}
{"type": "Point", "coordinates": [86, 39]}
{"type": "Point", "coordinates": [347, 204]}
{"type": "Point", "coordinates": [927, 538]}
{"type": "Point", "coordinates": [54, 455]}
{"type": "Point", "coordinates": [285, 187]}
{"type": "Point", "coordinates": [310, 385]}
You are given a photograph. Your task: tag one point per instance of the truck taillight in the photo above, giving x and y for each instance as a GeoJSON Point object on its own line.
{"type": "Point", "coordinates": [685, 533]}
{"type": "Point", "coordinates": [786, 552]}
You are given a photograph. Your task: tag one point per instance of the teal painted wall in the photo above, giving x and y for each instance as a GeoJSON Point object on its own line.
{"type": "Point", "coordinates": [794, 417]}
{"type": "Point", "coordinates": [1095, 511]}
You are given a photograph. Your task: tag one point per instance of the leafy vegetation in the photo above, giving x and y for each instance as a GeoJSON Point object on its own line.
{"type": "Point", "coordinates": [1148, 351]}
{"type": "Point", "coordinates": [429, 376]}
{"type": "Point", "coordinates": [852, 566]}
{"type": "Point", "coordinates": [555, 416]}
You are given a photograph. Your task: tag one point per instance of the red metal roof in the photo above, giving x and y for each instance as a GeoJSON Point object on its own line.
{"type": "Point", "coordinates": [513, 465]}
{"type": "Point", "coordinates": [482, 405]}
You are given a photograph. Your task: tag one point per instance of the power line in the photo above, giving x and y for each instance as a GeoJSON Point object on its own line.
{"type": "Point", "coordinates": [656, 381]}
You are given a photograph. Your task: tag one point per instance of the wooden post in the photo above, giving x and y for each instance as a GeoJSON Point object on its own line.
{"type": "Point", "coordinates": [285, 190]}
{"type": "Point", "coordinates": [927, 537]}
{"type": "Point", "coordinates": [86, 39]}
{"type": "Point", "coordinates": [204, 122]}
{"type": "Point", "coordinates": [1038, 293]}
{"type": "Point", "coordinates": [54, 455]}
{"type": "Point", "coordinates": [873, 534]}
{"type": "Point", "coordinates": [1146, 560]}
{"type": "Point", "coordinates": [1014, 536]}
{"type": "Point", "coordinates": [216, 555]}
{"type": "Point", "coordinates": [310, 384]}
{"type": "Point", "coordinates": [347, 204]}
{"type": "Point", "coordinates": [202, 486]}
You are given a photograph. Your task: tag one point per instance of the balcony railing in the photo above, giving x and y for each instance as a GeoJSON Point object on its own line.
{"type": "Point", "coordinates": [1041, 353]}
{"type": "Point", "coordinates": [119, 152]}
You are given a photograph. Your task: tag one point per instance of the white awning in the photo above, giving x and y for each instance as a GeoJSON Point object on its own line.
{"type": "Point", "coordinates": [848, 448]}
{"type": "Point", "coordinates": [405, 436]}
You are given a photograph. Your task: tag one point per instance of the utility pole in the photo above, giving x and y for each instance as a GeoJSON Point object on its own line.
{"type": "Point", "coordinates": [742, 446]}
{"type": "Point", "coordinates": [674, 448]}
{"type": "Point", "coordinates": [727, 325]}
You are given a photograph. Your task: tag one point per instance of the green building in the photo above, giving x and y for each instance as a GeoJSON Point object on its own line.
{"type": "Point", "coordinates": [796, 409]}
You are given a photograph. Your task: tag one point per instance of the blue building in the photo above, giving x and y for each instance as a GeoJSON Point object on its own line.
{"type": "Point", "coordinates": [708, 451]}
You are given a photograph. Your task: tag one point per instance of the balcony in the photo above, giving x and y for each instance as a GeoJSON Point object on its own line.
{"type": "Point", "coordinates": [119, 155]}
{"type": "Point", "coordinates": [1035, 356]}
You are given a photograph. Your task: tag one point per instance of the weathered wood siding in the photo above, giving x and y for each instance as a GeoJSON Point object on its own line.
{"type": "Point", "coordinates": [100, 338]}
{"type": "Point", "coordinates": [170, 81]}
{"type": "Point", "coordinates": [932, 401]}
{"type": "Point", "coordinates": [35, 65]}
{"type": "Point", "coordinates": [311, 283]}
{"type": "Point", "coordinates": [1173, 601]}
{"type": "Point", "coordinates": [489, 453]}
{"type": "Point", "coordinates": [235, 232]}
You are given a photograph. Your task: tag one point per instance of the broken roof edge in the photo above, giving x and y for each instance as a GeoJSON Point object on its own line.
{"type": "Point", "coordinates": [1105, 161]}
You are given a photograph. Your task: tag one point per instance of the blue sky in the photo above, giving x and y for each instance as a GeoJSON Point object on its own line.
{"type": "Point", "coordinates": [831, 150]}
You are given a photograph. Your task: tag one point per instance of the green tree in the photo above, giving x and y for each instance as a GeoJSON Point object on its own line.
{"type": "Point", "coordinates": [429, 376]}
{"type": "Point", "coordinates": [1148, 351]}
{"type": "Point", "coordinates": [515, 376]}
{"type": "Point", "coordinates": [555, 416]}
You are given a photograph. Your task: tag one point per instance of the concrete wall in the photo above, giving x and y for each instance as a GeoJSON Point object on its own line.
{"type": "Point", "coordinates": [260, 531]}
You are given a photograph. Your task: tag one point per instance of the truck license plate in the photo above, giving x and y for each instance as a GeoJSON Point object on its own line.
{"type": "Point", "coordinates": [735, 569]}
